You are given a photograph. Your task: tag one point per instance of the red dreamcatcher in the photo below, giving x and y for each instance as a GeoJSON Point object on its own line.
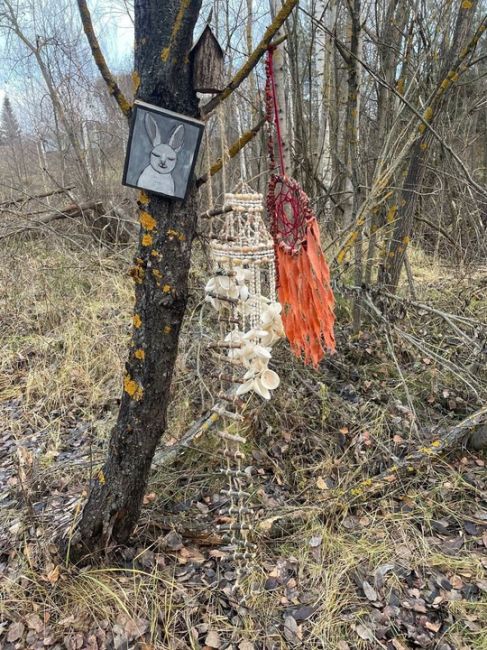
{"type": "Point", "coordinates": [303, 276]}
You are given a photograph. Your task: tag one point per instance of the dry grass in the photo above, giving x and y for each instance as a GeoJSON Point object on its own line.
{"type": "Point", "coordinates": [64, 321]}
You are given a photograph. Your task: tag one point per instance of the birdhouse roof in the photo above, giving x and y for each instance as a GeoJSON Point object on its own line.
{"type": "Point", "coordinates": [207, 32]}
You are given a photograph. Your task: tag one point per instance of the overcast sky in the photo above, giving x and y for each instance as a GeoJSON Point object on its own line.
{"type": "Point", "coordinates": [115, 32]}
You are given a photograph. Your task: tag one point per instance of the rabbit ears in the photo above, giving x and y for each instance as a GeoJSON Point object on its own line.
{"type": "Point", "coordinates": [177, 138]}
{"type": "Point", "coordinates": [175, 141]}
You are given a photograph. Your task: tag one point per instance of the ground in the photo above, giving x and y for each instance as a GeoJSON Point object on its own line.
{"type": "Point", "coordinates": [336, 566]}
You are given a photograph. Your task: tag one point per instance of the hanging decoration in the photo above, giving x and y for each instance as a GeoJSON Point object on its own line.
{"type": "Point", "coordinates": [303, 276]}
{"type": "Point", "coordinates": [244, 276]}
{"type": "Point", "coordinates": [242, 292]}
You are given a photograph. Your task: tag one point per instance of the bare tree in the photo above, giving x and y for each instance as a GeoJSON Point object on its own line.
{"type": "Point", "coordinates": [164, 34]}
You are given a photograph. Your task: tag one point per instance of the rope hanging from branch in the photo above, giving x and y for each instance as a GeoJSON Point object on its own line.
{"type": "Point", "coordinates": [303, 276]}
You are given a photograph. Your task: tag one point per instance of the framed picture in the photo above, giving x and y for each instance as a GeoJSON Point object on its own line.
{"type": "Point", "coordinates": [162, 151]}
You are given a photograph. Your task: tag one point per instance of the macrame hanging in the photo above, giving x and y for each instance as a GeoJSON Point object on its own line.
{"type": "Point", "coordinates": [242, 291]}
{"type": "Point", "coordinates": [303, 277]}
{"type": "Point", "coordinates": [244, 275]}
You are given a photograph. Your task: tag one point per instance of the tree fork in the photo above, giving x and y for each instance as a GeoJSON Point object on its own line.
{"type": "Point", "coordinates": [163, 34]}
{"type": "Point", "coordinates": [113, 87]}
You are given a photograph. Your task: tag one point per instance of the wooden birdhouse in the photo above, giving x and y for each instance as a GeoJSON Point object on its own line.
{"type": "Point", "coordinates": [207, 60]}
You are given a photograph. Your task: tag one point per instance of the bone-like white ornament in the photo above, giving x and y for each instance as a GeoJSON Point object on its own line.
{"type": "Point", "coordinates": [259, 382]}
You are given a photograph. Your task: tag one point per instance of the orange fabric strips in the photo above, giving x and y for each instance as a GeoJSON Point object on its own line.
{"type": "Point", "coordinates": [303, 276]}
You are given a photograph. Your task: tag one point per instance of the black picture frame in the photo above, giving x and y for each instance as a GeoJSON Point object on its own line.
{"type": "Point", "coordinates": [162, 151]}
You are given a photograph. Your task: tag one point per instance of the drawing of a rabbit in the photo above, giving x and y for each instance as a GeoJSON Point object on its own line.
{"type": "Point", "coordinates": [157, 175]}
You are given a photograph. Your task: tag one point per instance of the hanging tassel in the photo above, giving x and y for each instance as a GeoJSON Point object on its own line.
{"type": "Point", "coordinates": [303, 276]}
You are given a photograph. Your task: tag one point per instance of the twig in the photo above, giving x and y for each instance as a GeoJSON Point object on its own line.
{"type": "Point", "coordinates": [253, 59]}
{"type": "Point", "coordinates": [71, 211]}
{"type": "Point", "coordinates": [113, 87]}
{"type": "Point", "coordinates": [169, 454]}
{"type": "Point", "coordinates": [32, 197]}
{"type": "Point", "coordinates": [215, 212]}
{"type": "Point", "coordinates": [409, 465]}
{"type": "Point", "coordinates": [233, 150]}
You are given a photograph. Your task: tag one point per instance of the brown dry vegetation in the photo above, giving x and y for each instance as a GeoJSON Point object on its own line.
{"type": "Point", "coordinates": [404, 568]}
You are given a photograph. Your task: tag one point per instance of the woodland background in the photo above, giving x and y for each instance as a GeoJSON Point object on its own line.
{"type": "Point", "coordinates": [350, 555]}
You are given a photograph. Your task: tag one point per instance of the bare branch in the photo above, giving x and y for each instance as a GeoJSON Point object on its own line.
{"type": "Point", "coordinates": [233, 150]}
{"type": "Point", "coordinates": [113, 87]}
{"type": "Point", "coordinates": [253, 59]}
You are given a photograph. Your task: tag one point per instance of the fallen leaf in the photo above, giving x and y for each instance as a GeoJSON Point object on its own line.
{"type": "Point", "coordinates": [366, 439]}
{"type": "Point", "coordinates": [136, 628]}
{"type": "Point", "coordinates": [245, 645]}
{"type": "Point", "coordinates": [53, 576]}
{"type": "Point", "coordinates": [304, 612]}
{"type": "Point", "coordinates": [15, 632]}
{"type": "Point", "coordinates": [433, 627]}
{"type": "Point", "coordinates": [292, 631]}
{"type": "Point", "coordinates": [369, 591]}
{"type": "Point", "coordinates": [148, 498]}
{"type": "Point", "coordinates": [213, 639]}
{"type": "Point", "coordinates": [266, 524]}
{"type": "Point", "coordinates": [34, 622]}
{"type": "Point", "coordinates": [364, 632]}
{"type": "Point", "coordinates": [172, 541]}
{"type": "Point", "coordinates": [271, 584]}
{"type": "Point", "coordinates": [321, 484]}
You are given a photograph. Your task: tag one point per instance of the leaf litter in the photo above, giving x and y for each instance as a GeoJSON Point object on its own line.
{"type": "Point", "coordinates": [403, 571]}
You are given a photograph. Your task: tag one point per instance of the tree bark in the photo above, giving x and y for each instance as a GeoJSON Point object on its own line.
{"type": "Point", "coordinates": [402, 231]}
{"type": "Point", "coordinates": [163, 38]}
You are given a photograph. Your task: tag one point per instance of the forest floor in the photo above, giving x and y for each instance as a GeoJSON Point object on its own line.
{"type": "Point", "coordinates": [403, 567]}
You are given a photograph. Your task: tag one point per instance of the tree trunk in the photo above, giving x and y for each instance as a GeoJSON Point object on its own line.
{"type": "Point", "coordinates": [389, 51]}
{"type": "Point", "coordinates": [163, 36]}
{"type": "Point", "coordinates": [401, 234]}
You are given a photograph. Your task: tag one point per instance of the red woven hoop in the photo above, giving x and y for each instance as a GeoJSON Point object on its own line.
{"type": "Point", "coordinates": [289, 208]}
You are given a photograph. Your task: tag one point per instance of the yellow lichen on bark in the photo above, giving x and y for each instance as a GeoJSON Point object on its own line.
{"type": "Point", "coordinates": [147, 221]}
{"type": "Point", "coordinates": [132, 388]}
{"type": "Point", "coordinates": [175, 29]}
{"type": "Point", "coordinates": [444, 84]}
{"type": "Point", "coordinates": [139, 354]}
{"type": "Point", "coordinates": [400, 85]}
{"type": "Point", "coordinates": [175, 234]}
{"type": "Point", "coordinates": [137, 273]}
{"type": "Point", "coordinates": [166, 288]}
{"type": "Point", "coordinates": [167, 329]}
{"type": "Point", "coordinates": [135, 80]}
{"type": "Point", "coordinates": [137, 321]}
{"type": "Point", "coordinates": [391, 213]}
{"type": "Point", "coordinates": [147, 240]}
{"type": "Point", "coordinates": [143, 198]}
